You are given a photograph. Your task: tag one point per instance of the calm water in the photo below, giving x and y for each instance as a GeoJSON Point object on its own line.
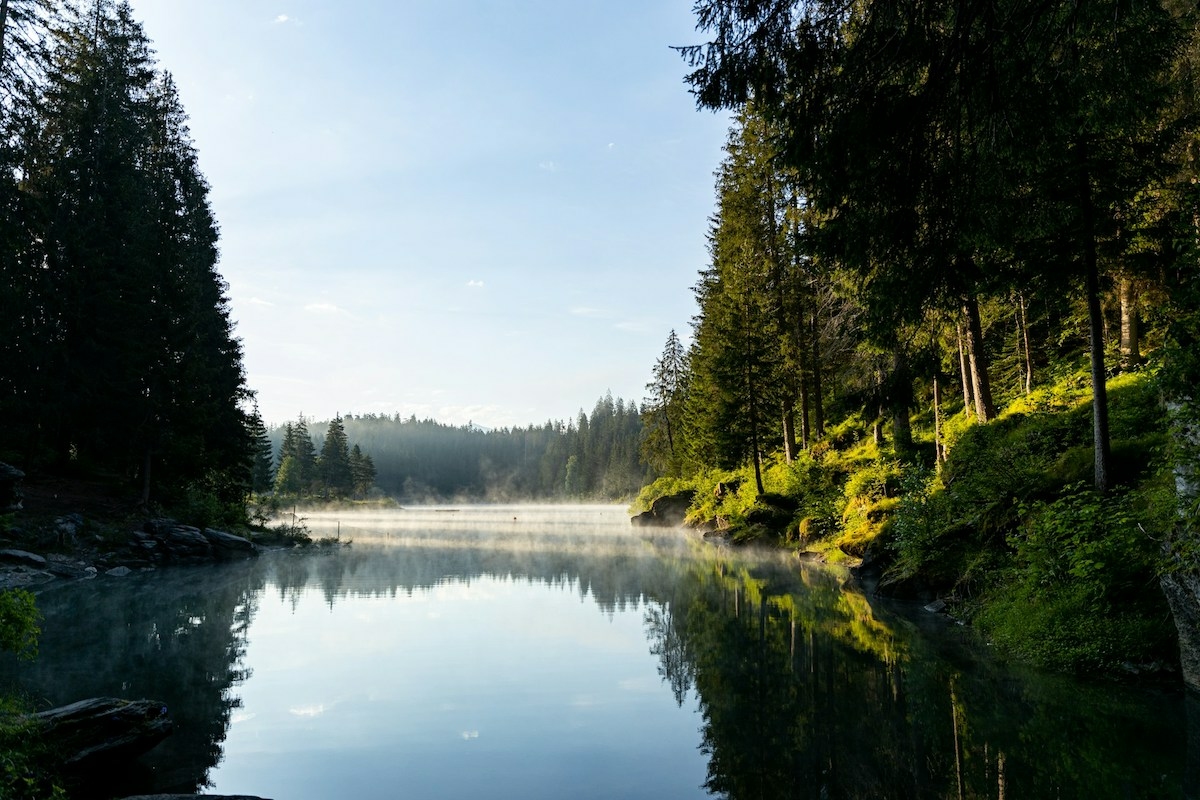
{"type": "Point", "coordinates": [557, 652]}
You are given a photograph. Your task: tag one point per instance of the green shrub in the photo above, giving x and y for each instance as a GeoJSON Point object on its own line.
{"type": "Point", "coordinates": [19, 618]}
{"type": "Point", "coordinates": [26, 759]}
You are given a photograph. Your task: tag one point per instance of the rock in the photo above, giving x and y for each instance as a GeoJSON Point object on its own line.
{"type": "Point", "coordinates": [936, 607]}
{"type": "Point", "coordinates": [103, 731]}
{"type": "Point", "coordinates": [667, 511]}
{"type": "Point", "coordinates": [67, 527]}
{"type": "Point", "coordinates": [118, 572]}
{"type": "Point", "coordinates": [226, 545]}
{"type": "Point", "coordinates": [68, 569]}
{"type": "Point", "coordinates": [23, 558]}
{"type": "Point", "coordinates": [180, 542]}
{"type": "Point", "coordinates": [10, 487]}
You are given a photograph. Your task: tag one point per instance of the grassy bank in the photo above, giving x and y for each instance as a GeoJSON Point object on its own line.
{"type": "Point", "coordinates": [1008, 530]}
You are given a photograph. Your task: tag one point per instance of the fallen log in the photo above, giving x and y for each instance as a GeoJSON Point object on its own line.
{"type": "Point", "coordinates": [96, 733]}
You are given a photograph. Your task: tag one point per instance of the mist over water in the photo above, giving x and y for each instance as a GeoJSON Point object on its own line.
{"type": "Point", "coordinates": [551, 651]}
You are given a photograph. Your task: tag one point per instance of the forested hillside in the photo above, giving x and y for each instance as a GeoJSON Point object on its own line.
{"type": "Point", "coordinates": [951, 311]}
{"type": "Point", "coordinates": [117, 356]}
{"type": "Point", "coordinates": [594, 457]}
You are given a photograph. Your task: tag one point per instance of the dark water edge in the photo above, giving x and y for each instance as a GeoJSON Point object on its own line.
{"type": "Point", "coordinates": [805, 687]}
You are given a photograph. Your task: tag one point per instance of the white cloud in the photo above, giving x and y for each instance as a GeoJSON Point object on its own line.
{"type": "Point", "coordinates": [282, 18]}
{"type": "Point", "coordinates": [470, 734]}
{"type": "Point", "coordinates": [475, 284]}
{"type": "Point", "coordinates": [548, 166]}
{"type": "Point", "coordinates": [308, 711]}
{"type": "Point", "coordinates": [633, 326]}
{"type": "Point", "coordinates": [324, 308]}
{"type": "Point", "coordinates": [258, 301]}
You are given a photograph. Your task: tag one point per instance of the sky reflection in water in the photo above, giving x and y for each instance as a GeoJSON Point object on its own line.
{"type": "Point", "coordinates": [459, 652]}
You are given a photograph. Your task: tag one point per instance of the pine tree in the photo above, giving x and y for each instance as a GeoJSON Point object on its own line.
{"type": "Point", "coordinates": [263, 479]}
{"type": "Point", "coordinates": [662, 414]}
{"type": "Point", "coordinates": [334, 464]}
{"type": "Point", "coordinates": [362, 471]}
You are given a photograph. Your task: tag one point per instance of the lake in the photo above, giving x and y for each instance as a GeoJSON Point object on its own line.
{"type": "Point", "coordinates": [549, 652]}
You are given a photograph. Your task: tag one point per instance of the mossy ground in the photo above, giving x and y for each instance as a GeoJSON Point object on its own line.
{"type": "Point", "coordinates": [1008, 530]}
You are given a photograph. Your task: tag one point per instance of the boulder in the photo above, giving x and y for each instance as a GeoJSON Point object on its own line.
{"type": "Point", "coordinates": [66, 568]}
{"type": "Point", "coordinates": [179, 542]}
{"type": "Point", "coordinates": [118, 572]}
{"type": "Point", "coordinates": [667, 511]}
{"type": "Point", "coordinates": [226, 545]}
{"type": "Point", "coordinates": [22, 557]}
{"type": "Point", "coordinates": [67, 528]}
{"type": "Point", "coordinates": [10, 487]}
{"type": "Point", "coordinates": [99, 733]}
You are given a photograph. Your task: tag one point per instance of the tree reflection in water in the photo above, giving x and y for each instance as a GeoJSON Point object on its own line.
{"type": "Point", "coordinates": [807, 693]}
{"type": "Point", "coordinates": [805, 688]}
{"type": "Point", "coordinates": [181, 640]}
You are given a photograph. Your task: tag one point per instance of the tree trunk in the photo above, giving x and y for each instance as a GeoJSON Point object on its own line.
{"type": "Point", "coordinates": [789, 427]}
{"type": "Point", "coordinates": [755, 445]}
{"type": "Point", "coordinates": [964, 373]}
{"type": "Point", "coordinates": [939, 452]}
{"type": "Point", "coordinates": [1023, 331]}
{"type": "Point", "coordinates": [985, 409]}
{"type": "Point", "coordinates": [805, 429]}
{"type": "Point", "coordinates": [901, 395]}
{"type": "Point", "coordinates": [817, 403]}
{"type": "Point", "coordinates": [1100, 440]}
{"type": "Point", "coordinates": [1180, 581]}
{"type": "Point", "coordinates": [1131, 346]}
{"type": "Point", "coordinates": [3, 30]}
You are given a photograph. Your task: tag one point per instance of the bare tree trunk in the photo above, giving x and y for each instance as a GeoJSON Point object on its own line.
{"type": "Point", "coordinates": [1131, 346]}
{"type": "Point", "coordinates": [755, 445]}
{"type": "Point", "coordinates": [3, 29]}
{"type": "Point", "coordinates": [817, 403]}
{"type": "Point", "coordinates": [939, 452]}
{"type": "Point", "coordinates": [1100, 438]}
{"type": "Point", "coordinates": [789, 427]}
{"type": "Point", "coordinates": [985, 409]}
{"type": "Point", "coordinates": [1180, 581]}
{"type": "Point", "coordinates": [901, 395]}
{"type": "Point", "coordinates": [958, 754]}
{"type": "Point", "coordinates": [1023, 332]}
{"type": "Point", "coordinates": [964, 373]}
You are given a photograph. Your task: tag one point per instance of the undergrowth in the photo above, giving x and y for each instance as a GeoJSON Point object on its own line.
{"type": "Point", "coordinates": [1008, 530]}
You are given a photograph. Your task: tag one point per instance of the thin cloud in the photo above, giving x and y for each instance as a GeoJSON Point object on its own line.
{"type": "Point", "coordinates": [258, 301]}
{"type": "Point", "coordinates": [475, 284]}
{"type": "Point", "coordinates": [282, 19]}
{"type": "Point", "coordinates": [548, 166]}
{"type": "Point", "coordinates": [324, 308]}
{"type": "Point", "coordinates": [308, 711]}
{"type": "Point", "coordinates": [633, 326]}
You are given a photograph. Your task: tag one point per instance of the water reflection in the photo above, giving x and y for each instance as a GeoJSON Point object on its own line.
{"type": "Point", "coordinates": [179, 636]}
{"type": "Point", "coordinates": [797, 686]}
{"type": "Point", "coordinates": [807, 693]}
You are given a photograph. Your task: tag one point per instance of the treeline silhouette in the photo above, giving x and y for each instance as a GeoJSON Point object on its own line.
{"type": "Point", "coordinates": [593, 456]}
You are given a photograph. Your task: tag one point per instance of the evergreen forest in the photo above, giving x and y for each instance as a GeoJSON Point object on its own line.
{"type": "Point", "coordinates": [596, 457]}
{"type": "Point", "coordinates": [949, 326]}
{"type": "Point", "coordinates": [118, 362]}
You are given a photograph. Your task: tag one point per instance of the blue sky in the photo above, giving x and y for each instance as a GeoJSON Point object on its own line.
{"type": "Point", "coordinates": [459, 209]}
